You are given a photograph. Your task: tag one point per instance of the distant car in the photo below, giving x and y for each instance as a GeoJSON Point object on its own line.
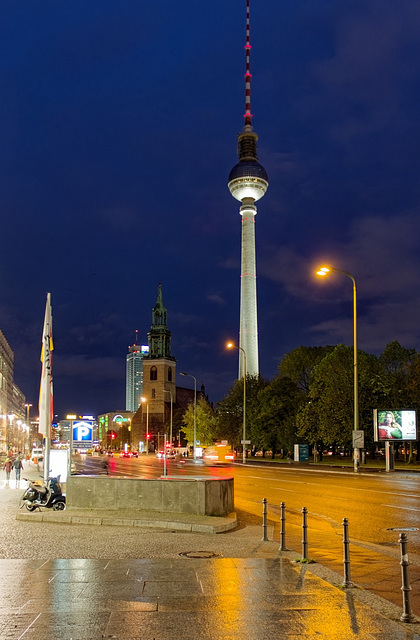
{"type": "Point", "coordinates": [110, 454]}
{"type": "Point", "coordinates": [169, 454]}
{"type": "Point", "coordinates": [125, 454]}
{"type": "Point", "coordinates": [134, 454]}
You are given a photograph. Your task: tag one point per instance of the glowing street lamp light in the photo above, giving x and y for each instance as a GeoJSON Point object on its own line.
{"type": "Point", "coordinates": [147, 424]}
{"type": "Point", "coordinates": [323, 271]}
{"type": "Point", "coordinates": [230, 345]}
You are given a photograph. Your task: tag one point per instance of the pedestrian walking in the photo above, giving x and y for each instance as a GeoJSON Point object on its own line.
{"type": "Point", "coordinates": [17, 465]}
{"type": "Point", "coordinates": [8, 467]}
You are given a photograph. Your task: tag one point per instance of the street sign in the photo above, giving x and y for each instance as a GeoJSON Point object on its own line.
{"type": "Point", "coordinates": [245, 441]}
{"type": "Point", "coordinates": [358, 439]}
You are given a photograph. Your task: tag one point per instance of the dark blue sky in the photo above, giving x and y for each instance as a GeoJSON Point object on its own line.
{"type": "Point", "coordinates": [118, 131]}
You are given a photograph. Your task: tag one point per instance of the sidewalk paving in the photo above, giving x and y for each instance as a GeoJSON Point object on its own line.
{"type": "Point", "coordinates": [183, 599]}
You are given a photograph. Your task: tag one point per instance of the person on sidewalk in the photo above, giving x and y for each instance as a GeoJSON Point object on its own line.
{"type": "Point", "coordinates": [8, 465]}
{"type": "Point", "coordinates": [17, 465]}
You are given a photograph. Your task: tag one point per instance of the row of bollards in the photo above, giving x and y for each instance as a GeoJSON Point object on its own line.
{"type": "Point", "coordinates": [407, 615]}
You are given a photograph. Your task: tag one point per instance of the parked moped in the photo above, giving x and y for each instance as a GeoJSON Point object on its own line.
{"type": "Point", "coordinates": [39, 495]}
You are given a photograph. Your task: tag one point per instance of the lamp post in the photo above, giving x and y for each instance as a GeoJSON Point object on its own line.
{"type": "Point", "coordinates": [195, 410]}
{"type": "Point", "coordinates": [172, 402]}
{"type": "Point", "coordinates": [11, 417]}
{"type": "Point", "coordinates": [147, 425]}
{"type": "Point", "coordinates": [323, 271]}
{"type": "Point", "coordinates": [230, 345]}
{"type": "Point", "coordinates": [28, 424]}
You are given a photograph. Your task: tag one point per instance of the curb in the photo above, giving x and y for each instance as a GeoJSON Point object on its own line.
{"type": "Point", "coordinates": [207, 525]}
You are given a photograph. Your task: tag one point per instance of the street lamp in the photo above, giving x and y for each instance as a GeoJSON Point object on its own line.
{"type": "Point", "coordinates": [172, 401]}
{"type": "Point", "coordinates": [28, 423]}
{"type": "Point", "coordinates": [195, 410]}
{"type": "Point", "coordinates": [230, 345]}
{"type": "Point", "coordinates": [147, 425]}
{"type": "Point", "coordinates": [323, 271]}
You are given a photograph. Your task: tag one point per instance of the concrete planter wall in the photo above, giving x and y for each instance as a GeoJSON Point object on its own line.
{"type": "Point", "coordinates": [201, 496]}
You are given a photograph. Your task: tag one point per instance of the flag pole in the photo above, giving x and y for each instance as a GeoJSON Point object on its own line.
{"type": "Point", "coordinates": [46, 387]}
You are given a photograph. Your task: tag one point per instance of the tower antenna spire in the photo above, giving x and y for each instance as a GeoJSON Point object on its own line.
{"type": "Point", "coordinates": [248, 75]}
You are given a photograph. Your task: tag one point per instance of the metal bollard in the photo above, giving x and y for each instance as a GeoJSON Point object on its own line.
{"type": "Point", "coordinates": [265, 537]}
{"type": "Point", "coordinates": [407, 615]}
{"type": "Point", "coordinates": [305, 535]}
{"type": "Point", "coordinates": [283, 527]}
{"type": "Point", "coordinates": [346, 543]}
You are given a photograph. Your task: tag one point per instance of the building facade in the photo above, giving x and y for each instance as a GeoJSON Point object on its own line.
{"type": "Point", "coordinates": [114, 430]}
{"type": "Point", "coordinates": [13, 431]}
{"type": "Point", "coordinates": [134, 376]}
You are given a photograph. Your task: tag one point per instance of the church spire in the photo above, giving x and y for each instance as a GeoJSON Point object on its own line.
{"type": "Point", "coordinates": [159, 336]}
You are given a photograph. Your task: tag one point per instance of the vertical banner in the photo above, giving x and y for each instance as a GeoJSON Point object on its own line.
{"type": "Point", "coordinates": [46, 388]}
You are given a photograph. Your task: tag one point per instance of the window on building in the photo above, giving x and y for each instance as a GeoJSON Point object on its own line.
{"type": "Point", "coordinates": [170, 374]}
{"type": "Point", "coordinates": [153, 393]}
{"type": "Point", "coordinates": [153, 373]}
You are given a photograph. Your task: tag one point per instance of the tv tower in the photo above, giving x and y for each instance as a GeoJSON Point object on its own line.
{"type": "Point", "coordinates": [248, 182]}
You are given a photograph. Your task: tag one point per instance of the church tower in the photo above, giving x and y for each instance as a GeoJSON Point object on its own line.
{"type": "Point", "coordinates": [159, 372]}
{"type": "Point", "coordinates": [248, 182]}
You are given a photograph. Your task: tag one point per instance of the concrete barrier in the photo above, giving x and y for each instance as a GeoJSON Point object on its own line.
{"type": "Point", "coordinates": [200, 496]}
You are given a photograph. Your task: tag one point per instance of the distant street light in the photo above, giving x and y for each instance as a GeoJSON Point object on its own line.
{"type": "Point", "coordinates": [230, 345]}
{"type": "Point", "coordinates": [147, 425]}
{"type": "Point", "coordinates": [323, 271]}
{"type": "Point", "coordinates": [195, 410]}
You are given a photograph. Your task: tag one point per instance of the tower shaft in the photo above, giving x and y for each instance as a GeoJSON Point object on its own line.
{"type": "Point", "coordinates": [248, 323]}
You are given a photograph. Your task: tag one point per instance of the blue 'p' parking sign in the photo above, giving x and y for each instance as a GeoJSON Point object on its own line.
{"type": "Point", "coordinates": [82, 431]}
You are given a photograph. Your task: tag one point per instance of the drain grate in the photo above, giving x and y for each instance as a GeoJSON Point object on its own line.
{"type": "Point", "coordinates": [199, 554]}
{"type": "Point", "coordinates": [403, 529]}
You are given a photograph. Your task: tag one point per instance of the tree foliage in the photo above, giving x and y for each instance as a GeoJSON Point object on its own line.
{"type": "Point", "coordinates": [311, 400]}
{"type": "Point", "coordinates": [206, 422]}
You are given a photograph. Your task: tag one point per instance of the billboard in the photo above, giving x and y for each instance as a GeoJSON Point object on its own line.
{"type": "Point", "coordinates": [394, 424]}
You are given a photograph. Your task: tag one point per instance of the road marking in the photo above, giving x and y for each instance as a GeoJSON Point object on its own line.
{"type": "Point", "coordinates": [394, 506]}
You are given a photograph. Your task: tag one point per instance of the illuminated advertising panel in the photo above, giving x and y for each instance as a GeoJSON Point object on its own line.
{"type": "Point", "coordinates": [394, 424]}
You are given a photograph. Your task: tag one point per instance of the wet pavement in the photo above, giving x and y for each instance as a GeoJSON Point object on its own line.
{"type": "Point", "coordinates": [184, 598]}
{"type": "Point", "coordinates": [135, 582]}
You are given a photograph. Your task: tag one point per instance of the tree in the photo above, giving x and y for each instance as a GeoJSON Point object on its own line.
{"type": "Point", "coordinates": [206, 423]}
{"type": "Point", "coordinates": [299, 364]}
{"type": "Point", "coordinates": [397, 364]}
{"type": "Point", "coordinates": [230, 410]}
{"type": "Point", "coordinates": [329, 414]}
{"type": "Point", "coordinates": [275, 425]}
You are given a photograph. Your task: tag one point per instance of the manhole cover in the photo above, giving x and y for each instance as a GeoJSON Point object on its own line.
{"type": "Point", "coordinates": [199, 554]}
{"type": "Point", "coordinates": [403, 529]}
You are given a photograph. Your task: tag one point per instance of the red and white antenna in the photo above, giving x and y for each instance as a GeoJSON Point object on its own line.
{"type": "Point", "coordinates": [248, 114]}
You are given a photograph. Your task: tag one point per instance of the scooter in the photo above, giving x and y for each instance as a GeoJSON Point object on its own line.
{"type": "Point", "coordinates": [39, 495]}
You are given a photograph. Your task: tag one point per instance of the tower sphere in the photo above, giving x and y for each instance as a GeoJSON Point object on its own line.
{"type": "Point", "coordinates": [248, 179]}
